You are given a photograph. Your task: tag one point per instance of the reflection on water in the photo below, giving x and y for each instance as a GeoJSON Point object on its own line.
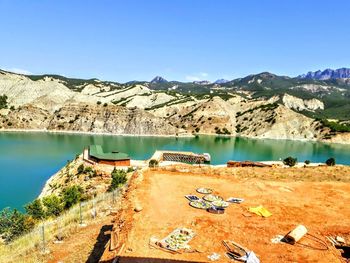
{"type": "Point", "coordinates": [27, 160]}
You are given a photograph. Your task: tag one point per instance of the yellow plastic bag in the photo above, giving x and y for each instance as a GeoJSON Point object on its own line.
{"type": "Point", "coordinates": [260, 211]}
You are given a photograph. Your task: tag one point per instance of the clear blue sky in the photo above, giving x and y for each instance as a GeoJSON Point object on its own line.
{"type": "Point", "coordinates": [177, 39]}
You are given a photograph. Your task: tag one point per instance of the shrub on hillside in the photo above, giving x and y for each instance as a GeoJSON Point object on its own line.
{"type": "Point", "coordinates": [336, 126]}
{"type": "Point", "coordinates": [118, 179]}
{"type": "Point", "coordinates": [53, 205]}
{"type": "Point", "coordinates": [80, 169]}
{"type": "Point", "coordinates": [290, 161]}
{"type": "Point", "coordinates": [153, 163]}
{"type": "Point", "coordinates": [71, 196]}
{"type": "Point", "coordinates": [130, 169]}
{"type": "Point", "coordinates": [330, 162]}
{"type": "Point", "coordinates": [88, 170]}
{"type": "Point", "coordinates": [14, 223]}
{"type": "Point", "coordinates": [3, 102]}
{"type": "Point", "coordinates": [93, 174]}
{"type": "Point", "coordinates": [224, 131]}
{"type": "Point", "coordinates": [35, 209]}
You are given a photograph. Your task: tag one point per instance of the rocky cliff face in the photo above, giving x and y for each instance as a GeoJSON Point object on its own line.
{"type": "Point", "coordinates": [109, 119]}
{"type": "Point", "coordinates": [89, 118]}
{"type": "Point", "coordinates": [26, 117]}
{"type": "Point", "coordinates": [295, 103]}
{"type": "Point", "coordinates": [326, 74]}
{"type": "Point", "coordinates": [237, 116]}
{"type": "Point", "coordinates": [279, 122]}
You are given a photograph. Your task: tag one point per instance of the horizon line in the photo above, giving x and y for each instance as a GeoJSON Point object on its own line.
{"type": "Point", "coordinates": [26, 73]}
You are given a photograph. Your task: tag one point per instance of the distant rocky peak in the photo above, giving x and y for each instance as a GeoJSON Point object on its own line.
{"type": "Point", "coordinates": [202, 82]}
{"type": "Point", "coordinates": [341, 73]}
{"type": "Point", "coordinates": [266, 75]}
{"type": "Point", "coordinates": [221, 81]}
{"type": "Point", "coordinates": [158, 79]}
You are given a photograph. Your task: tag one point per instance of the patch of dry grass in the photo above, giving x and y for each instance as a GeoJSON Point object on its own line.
{"type": "Point", "coordinates": [308, 174]}
{"type": "Point", "coordinates": [31, 248]}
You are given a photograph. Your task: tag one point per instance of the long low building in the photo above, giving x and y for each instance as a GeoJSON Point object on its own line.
{"type": "Point", "coordinates": [183, 157]}
{"type": "Point", "coordinates": [115, 158]}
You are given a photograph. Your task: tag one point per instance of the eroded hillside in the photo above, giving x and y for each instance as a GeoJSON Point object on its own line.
{"type": "Point", "coordinates": [149, 108]}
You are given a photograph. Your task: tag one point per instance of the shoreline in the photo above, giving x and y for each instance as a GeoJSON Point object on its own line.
{"type": "Point", "coordinates": [92, 133]}
{"type": "Point", "coordinates": [185, 135]}
{"type": "Point", "coordinates": [279, 164]}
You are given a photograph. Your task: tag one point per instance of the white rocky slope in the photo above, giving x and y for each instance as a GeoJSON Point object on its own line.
{"type": "Point", "coordinates": [298, 104]}
{"type": "Point", "coordinates": [82, 117]}
{"type": "Point", "coordinates": [51, 93]}
{"type": "Point", "coordinates": [48, 93]}
{"type": "Point", "coordinates": [237, 116]}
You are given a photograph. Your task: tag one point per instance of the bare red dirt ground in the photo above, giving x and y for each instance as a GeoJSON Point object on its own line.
{"type": "Point", "coordinates": [84, 245]}
{"type": "Point", "coordinates": [318, 199]}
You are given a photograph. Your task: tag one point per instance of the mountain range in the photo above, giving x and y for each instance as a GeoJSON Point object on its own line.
{"type": "Point", "coordinates": [341, 73]}
{"type": "Point", "coordinates": [327, 74]}
{"type": "Point", "coordinates": [262, 105]}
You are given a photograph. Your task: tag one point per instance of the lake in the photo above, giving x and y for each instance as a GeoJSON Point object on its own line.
{"type": "Point", "coordinates": [27, 160]}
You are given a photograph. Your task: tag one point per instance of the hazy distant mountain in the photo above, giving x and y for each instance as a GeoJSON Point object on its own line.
{"type": "Point", "coordinates": [326, 74]}
{"type": "Point", "coordinates": [221, 81]}
{"type": "Point", "coordinates": [159, 79]}
{"type": "Point", "coordinates": [202, 82]}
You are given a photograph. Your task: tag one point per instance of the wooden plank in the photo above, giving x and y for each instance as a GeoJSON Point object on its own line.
{"type": "Point", "coordinates": [114, 241]}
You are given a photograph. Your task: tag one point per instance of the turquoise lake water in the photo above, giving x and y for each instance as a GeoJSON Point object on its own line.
{"type": "Point", "coordinates": [27, 160]}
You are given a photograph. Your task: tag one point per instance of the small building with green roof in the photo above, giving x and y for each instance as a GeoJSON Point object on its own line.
{"type": "Point", "coordinates": [114, 158]}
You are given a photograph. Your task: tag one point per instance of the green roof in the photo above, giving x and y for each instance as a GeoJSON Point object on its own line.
{"type": "Point", "coordinates": [97, 152]}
